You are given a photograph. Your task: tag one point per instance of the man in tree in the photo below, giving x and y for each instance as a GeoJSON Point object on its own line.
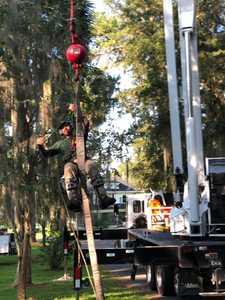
{"type": "Point", "coordinates": [67, 149]}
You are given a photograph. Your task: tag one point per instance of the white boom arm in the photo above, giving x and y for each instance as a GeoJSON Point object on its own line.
{"type": "Point", "coordinates": [172, 87]}
{"type": "Point", "coordinates": [187, 17]}
{"type": "Point", "coordinates": [190, 211]}
{"type": "Point", "coordinates": [186, 26]}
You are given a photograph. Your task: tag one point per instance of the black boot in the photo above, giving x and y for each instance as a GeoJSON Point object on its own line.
{"type": "Point", "coordinates": [74, 202]}
{"type": "Point", "coordinates": [105, 200]}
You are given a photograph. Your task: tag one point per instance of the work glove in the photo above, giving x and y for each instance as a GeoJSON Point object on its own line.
{"type": "Point", "coordinates": [41, 141]}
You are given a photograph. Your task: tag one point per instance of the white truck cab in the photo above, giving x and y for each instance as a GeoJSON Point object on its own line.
{"type": "Point", "coordinates": [149, 210]}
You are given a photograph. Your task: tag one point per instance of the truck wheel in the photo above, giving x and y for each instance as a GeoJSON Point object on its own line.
{"type": "Point", "coordinates": [150, 277]}
{"type": "Point", "coordinates": [164, 280]}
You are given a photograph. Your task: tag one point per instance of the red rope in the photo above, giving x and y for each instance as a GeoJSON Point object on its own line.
{"type": "Point", "coordinates": [76, 71]}
{"type": "Point", "coordinates": [76, 53]}
{"type": "Point", "coordinates": [72, 23]}
{"type": "Point", "coordinates": [73, 34]}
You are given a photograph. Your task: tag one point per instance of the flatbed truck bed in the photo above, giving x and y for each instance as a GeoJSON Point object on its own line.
{"type": "Point", "coordinates": [167, 239]}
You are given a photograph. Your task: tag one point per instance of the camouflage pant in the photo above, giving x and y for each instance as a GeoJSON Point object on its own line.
{"type": "Point", "coordinates": [73, 188]}
{"type": "Point", "coordinates": [71, 170]}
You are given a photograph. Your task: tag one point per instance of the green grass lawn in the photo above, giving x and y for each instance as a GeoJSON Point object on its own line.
{"type": "Point", "coordinates": [45, 288]}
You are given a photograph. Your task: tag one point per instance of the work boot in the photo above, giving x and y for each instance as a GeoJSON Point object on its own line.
{"type": "Point", "coordinates": [106, 202]}
{"type": "Point", "coordinates": [74, 202]}
{"type": "Point", "coordinates": [98, 185]}
{"type": "Point", "coordinates": [104, 199]}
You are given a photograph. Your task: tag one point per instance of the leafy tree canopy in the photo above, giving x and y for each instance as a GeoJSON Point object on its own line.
{"type": "Point", "coordinates": [133, 37]}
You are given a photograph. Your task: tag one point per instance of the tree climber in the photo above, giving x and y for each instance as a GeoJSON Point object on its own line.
{"type": "Point", "coordinates": [67, 149]}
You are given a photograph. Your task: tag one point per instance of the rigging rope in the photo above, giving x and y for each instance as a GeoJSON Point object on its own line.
{"type": "Point", "coordinates": [76, 53]}
{"type": "Point", "coordinates": [72, 26]}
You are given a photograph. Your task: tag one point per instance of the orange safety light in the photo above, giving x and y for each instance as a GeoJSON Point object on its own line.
{"type": "Point", "coordinates": [155, 203]}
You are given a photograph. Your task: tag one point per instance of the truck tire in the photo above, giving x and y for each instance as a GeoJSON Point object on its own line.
{"type": "Point", "coordinates": [183, 276]}
{"type": "Point", "coordinates": [165, 280]}
{"type": "Point", "coordinates": [150, 277]}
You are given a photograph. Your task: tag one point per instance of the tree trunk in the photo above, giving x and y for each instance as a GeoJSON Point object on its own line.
{"type": "Point", "coordinates": [2, 133]}
{"type": "Point", "coordinates": [28, 279]}
{"type": "Point", "coordinates": [33, 216]}
{"type": "Point", "coordinates": [29, 265]}
{"type": "Point", "coordinates": [43, 231]}
{"type": "Point", "coordinates": [81, 155]}
{"type": "Point", "coordinates": [127, 171]}
{"type": "Point", "coordinates": [91, 247]}
{"type": "Point", "coordinates": [53, 219]}
{"type": "Point", "coordinates": [21, 289]}
{"type": "Point", "coordinates": [19, 236]}
{"type": "Point", "coordinates": [166, 158]}
{"type": "Point", "coordinates": [62, 222]}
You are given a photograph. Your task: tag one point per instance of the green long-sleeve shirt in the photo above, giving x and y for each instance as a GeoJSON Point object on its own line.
{"type": "Point", "coordinates": [65, 148]}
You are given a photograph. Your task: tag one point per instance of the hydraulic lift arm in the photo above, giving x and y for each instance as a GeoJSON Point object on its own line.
{"type": "Point", "coordinates": [192, 104]}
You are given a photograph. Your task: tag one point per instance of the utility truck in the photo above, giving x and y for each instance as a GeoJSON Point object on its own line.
{"type": "Point", "coordinates": [189, 257]}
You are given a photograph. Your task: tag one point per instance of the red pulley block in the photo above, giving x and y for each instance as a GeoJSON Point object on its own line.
{"type": "Point", "coordinates": [76, 54]}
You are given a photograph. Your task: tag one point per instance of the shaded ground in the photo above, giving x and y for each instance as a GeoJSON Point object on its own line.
{"type": "Point", "coordinates": [122, 274]}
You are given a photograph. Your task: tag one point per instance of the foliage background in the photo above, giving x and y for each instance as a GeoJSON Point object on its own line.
{"type": "Point", "coordinates": [132, 35]}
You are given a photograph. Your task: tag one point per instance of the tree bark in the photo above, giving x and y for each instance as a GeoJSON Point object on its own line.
{"type": "Point", "coordinates": [29, 264]}
{"type": "Point", "coordinates": [21, 289]}
{"type": "Point", "coordinates": [81, 155]}
{"type": "Point", "coordinates": [33, 216]}
{"type": "Point", "coordinates": [91, 247]}
{"type": "Point", "coordinates": [43, 230]}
